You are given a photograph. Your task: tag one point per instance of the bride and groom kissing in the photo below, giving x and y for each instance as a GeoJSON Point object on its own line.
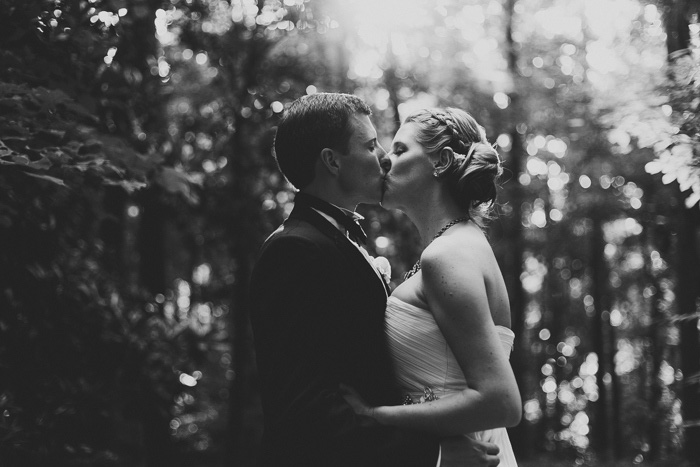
{"type": "Point", "coordinates": [351, 372]}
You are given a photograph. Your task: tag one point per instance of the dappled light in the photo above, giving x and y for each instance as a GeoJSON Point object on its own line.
{"type": "Point", "coordinates": [138, 183]}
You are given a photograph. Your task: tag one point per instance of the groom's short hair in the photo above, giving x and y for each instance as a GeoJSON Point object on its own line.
{"type": "Point", "coordinates": [310, 124]}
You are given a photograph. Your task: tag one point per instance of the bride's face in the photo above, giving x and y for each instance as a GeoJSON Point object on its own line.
{"type": "Point", "coordinates": [411, 170]}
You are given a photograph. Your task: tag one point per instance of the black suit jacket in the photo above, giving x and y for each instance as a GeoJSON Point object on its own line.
{"type": "Point", "coordinates": [318, 321]}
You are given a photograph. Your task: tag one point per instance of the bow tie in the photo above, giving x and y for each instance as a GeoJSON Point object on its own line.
{"type": "Point", "coordinates": [354, 229]}
{"type": "Point", "coordinates": [348, 221]}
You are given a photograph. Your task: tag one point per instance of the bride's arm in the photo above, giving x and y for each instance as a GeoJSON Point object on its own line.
{"type": "Point", "coordinates": [455, 289]}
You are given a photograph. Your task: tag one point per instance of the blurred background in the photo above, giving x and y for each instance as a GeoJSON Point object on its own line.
{"type": "Point", "coordinates": [136, 184]}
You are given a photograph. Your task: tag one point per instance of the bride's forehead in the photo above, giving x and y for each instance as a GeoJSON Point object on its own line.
{"type": "Point", "coordinates": [407, 133]}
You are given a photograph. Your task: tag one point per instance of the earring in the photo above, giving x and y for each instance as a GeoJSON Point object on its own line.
{"type": "Point", "coordinates": [435, 173]}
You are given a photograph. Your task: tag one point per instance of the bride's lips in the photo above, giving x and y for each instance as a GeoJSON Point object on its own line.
{"type": "Point", "coordinates": [385, 185]}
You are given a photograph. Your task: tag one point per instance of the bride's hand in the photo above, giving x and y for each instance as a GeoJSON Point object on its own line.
{"type": "Point", "coordinates": [356, 401]}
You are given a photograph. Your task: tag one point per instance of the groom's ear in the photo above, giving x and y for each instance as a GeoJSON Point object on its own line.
{"type": "Point", "coordinates": [330, 161]}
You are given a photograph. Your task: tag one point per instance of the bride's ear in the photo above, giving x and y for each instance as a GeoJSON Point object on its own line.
{"type": "Point", "coordinates": [445, 158]}
{"type": "Point", "coordinates": [330, 161]}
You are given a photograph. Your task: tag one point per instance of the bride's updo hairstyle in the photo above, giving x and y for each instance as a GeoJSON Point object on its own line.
{"type": "Point", "coordinates": [473, 174]}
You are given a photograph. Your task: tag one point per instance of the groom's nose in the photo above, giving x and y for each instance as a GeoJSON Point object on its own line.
{"type": "Point", "coordinates": [384, 161]}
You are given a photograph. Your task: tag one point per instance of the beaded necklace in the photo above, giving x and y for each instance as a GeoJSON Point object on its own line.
{"type": "Point", "coordinates": [416, 267]}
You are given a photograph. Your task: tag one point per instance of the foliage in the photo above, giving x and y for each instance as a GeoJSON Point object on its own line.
{"type": "Point", "coordinates": [136, 183]}
{"type": "Point", "coordinates": [45, 132]}
{"type": "Point", "coordinates": [584, 134]}
{"type": "Point", "coordinates": [90, 362]}
{"type": "Point", "coordinates": [678, 153]}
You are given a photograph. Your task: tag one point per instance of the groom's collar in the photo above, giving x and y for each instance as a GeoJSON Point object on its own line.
{"type": "Point", "coordinates": [328, 227]}
{"type": "Point", "coordinates": [341, 218]}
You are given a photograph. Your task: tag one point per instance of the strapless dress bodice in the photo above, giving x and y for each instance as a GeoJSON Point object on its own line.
{"type": "Point", "coordinates": [420, 353]}
{"type": "Point", "coordinates": [423, 359]}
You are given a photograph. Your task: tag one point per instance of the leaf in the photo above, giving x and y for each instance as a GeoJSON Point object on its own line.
{"type": "Point", "coordinates": [92, 146]}
{"type": "Point", "coordinates": [84, 166]}
{"type": "Point", "coordinates": [668, 178]}
{"type": "Point", "coordinates": [685, 180]}
{"type": "Point", "coordinates": [653, 167]}
{"type": "Point", "coordinates": [129, 186]}
{"type": "Point", "coordinates": [16, 160]}
{"type": "Point", "coordinates": [684, 149]}
{"type": "Point", "coordinates": [42, 164]}
{"type": "Point", "coordinates": [24, 161]}
{"type": "Point", "coordinates": [51, 135]}
{"type": "Point", "coordinates": [49, 178]}
{"type": "Point", "coordinates": [692, 199]}
{"type": "Point", "coordinates": [4, 150]}
{"type": "Point", "coordinates": [55, 156]}
{"type": "Point", "coordinates": [176, 181]}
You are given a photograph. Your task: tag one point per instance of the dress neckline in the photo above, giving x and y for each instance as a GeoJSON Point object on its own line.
{"type": "Point", "coordinates": [499, 328]}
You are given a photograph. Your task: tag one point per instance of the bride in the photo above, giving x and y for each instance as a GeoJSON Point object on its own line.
{"type": "Point", "coordinates": [448, 323]}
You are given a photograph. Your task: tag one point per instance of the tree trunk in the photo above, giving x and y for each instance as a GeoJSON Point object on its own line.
{"type": "Point", "coordinates": [151, 243]}
{"type": "Point", "coordinates": [655, 349]}
{"type": "Point", "coordinates": [553, 306]}
{"type": "Point", "coordinates": [522, 435]}
{"type": "Point", "coordinates": [153, 409]}
{"type": "Point", "coordinates": [655, 389]}
{"type": "Point", "coordinates": [133, 54]}
{"type": "Point", "coordinates": [688, 265]}
{"type": "Point", "coordinates": [600, 422]}
{"type": "Point", "coordinates": [616, 400]}
{"type": "Point", "coordinates": [244, 226]}
{"type": "Point", "coordinates": [688, 297]}
{"type": "Point", "coordinates": [392, 83]}
{"type": "Point", "coordinates": [113, 230]}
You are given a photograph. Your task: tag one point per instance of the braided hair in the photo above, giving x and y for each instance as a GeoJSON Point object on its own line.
{"type": "Point", "coordinates": [472, 176]}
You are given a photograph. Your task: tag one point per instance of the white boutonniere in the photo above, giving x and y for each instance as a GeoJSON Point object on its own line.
{"type": "Point", "coordinates": [382, 265]}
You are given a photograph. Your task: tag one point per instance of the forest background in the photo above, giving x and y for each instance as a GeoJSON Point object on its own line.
{"type": "Point", "coordinates": [137, 182]}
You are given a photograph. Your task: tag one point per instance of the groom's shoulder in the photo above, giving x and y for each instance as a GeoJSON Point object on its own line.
{"type": "Point", "coordinates": [295, 232]}
{"type": "Point", "coordinates": [293, 244]}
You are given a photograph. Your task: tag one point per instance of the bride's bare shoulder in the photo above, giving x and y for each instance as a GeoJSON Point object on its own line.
{"type": "Point", "coordinates": [467, 246]}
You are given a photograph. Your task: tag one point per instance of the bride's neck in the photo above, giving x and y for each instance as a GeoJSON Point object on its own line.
{"type": "Point", "coordinates": [432, 217]}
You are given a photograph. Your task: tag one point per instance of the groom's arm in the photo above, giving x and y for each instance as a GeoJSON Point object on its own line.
{"type": "Point", "coordinates": [304, 409]}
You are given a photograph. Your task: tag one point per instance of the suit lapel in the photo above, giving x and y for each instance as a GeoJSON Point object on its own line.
{"type": "Point", "coordinates": [343, 243]}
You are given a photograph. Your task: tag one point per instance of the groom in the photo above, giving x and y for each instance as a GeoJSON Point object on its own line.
{"type": "Point", "coordinates": [318, 305]}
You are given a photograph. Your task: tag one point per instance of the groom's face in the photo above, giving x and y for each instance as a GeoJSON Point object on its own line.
{"type": "Point", "coordinates": [362, 176]}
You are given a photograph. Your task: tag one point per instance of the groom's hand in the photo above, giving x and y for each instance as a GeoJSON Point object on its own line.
{"type": "Point", "coordinates": [461, 451]}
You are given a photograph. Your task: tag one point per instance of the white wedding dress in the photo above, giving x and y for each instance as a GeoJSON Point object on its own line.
{"type": "Point", "coordinates": [423, 359]}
